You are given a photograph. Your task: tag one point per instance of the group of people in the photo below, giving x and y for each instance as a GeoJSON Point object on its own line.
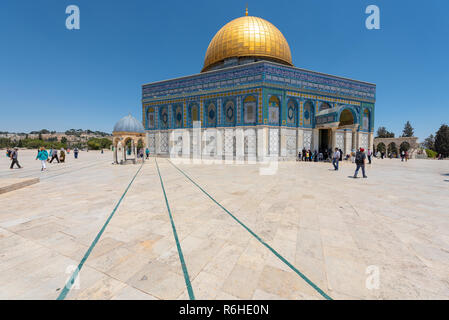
{"type": "Point", "coordinates": [48, 156]}
{"type": "Point", "coordinates": [323, 155]}
{"type": "Point", "coordinates": [328, 155]}
{"type": "Point", "coordinates": [42, 154]}
{"type": "Point", "coordinates": [358, 157]}
{"type": "Point", "coordinates": [359, 160]}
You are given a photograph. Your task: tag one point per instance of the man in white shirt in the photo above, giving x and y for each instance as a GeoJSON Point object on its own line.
{"type": "Point", "coordinates": [336, 158]}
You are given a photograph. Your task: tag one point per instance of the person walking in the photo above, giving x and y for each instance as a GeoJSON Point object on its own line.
{"type": "Point", "coordinates": [75, 153]}
{"type": "Point", "coordinates": [14, 155]}
{"type": "Point", "coordinates": [369, 156]}
{"type": "Point", "coordinates": [402, 155]}
{"type": "Point", "coordinates": [406, 156]}
{"type": "Point", "coordinates": [147, 152]}
{"type": "Point", "coordinates": [54, 155]}
{"type": "Point", "coordinates": [341, 154]}
{"type": "Point", "coordinates": [336, 159]}
{"type": "Point", "coordinates": [141, 153]}
{"type": "Point", "coordinates": [360, 158]}
{"type": "Point", "coordinates": [42, 155]}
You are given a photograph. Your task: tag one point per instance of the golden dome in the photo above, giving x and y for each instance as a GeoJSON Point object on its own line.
{"type": "Point", "coordinates": [248, 37]}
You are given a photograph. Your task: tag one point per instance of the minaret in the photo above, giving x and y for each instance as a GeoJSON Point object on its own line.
{"type": "Point", "coordinates": [246, 11]}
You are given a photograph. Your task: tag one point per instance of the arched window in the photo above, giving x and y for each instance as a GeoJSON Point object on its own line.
{"type": "Point", "coordinates": [273, 110]}
{"type": "Point", "coordinates": [150, 118]}
{"type": "Point", "coordinates": [249, 109]}
{"type": "Point", "coordinates": [365, 121]}
{"type": "Point", "coordinates": [346, 118]}
{"type": "Point", "coordinates": [291, 111]}
{"type": "Point", "coordinates": [308, 113]}
{"type": "Point", "coordinates": [229, 112]}
{"type": "Point", "coordinates": [194, 113]}
{"type": "Point", "coordinates": [211, 115]}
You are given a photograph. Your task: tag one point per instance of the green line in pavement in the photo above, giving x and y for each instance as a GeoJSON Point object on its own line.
{"type": "Point", "coordinates": [178, 245]}
{"type": "Point", "coordinates": [74, 275]}
{"type": "Point", "coordinates": [299, 273]}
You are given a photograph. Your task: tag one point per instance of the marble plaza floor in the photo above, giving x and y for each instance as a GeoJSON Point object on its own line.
{"type": "Point", "coordinates": [306, 232]}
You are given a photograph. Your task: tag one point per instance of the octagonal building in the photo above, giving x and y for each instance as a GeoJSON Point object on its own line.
{"type": "Point", "coordinates": [250, 102]}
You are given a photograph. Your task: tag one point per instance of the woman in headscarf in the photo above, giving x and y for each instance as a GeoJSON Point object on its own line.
{"type": "Point", "coordinates": [62, 155]}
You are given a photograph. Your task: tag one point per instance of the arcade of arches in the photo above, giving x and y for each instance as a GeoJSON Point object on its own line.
{"type": "Point", "coordinates": [396, 145]}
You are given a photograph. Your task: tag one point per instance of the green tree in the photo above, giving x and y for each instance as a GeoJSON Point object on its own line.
{"type": "Point", "coordinates": [99, 143]}
{"type": "Point", "coordinates": [64, 140]}
{"type": "Point", "coordinates": [429, 142]}
{"type": "Point", "coordinates": [408, 130]}
{"type": "Point", "coordinates": [5, 142]}
{"type": "Point", "coordinates": [382, 132]}
{"type": "Point", "coordinates": [442, 140]}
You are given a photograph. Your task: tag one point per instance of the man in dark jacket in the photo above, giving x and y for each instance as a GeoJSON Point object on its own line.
{"type": "Point", "coordinates": [360, 158]}
{"type": "Point", "coordinates": [13, 156]}
{"type": "Point", "coordinates": [54, 155]}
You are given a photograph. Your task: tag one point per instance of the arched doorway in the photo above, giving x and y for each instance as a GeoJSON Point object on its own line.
{"type": "Point", "coordinates": [393, 150]}
{"type": "Point", "coordinates": [140, 148]}
{"type": "Point", "coordinates": [405, 146]}
{"type": "Point", "coordinates": [381, 147]}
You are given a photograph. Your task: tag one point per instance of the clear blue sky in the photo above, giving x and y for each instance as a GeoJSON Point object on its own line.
{"type": "Point", "coordinates": [58, 79]}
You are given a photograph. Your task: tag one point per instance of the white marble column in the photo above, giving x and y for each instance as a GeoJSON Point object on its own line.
{"type": "Point", "coordinates": [371, 141]}
{"type": "Point", "coordinates": [334, 138]}
{"type": "Point", "coordinates": [359, 140]}
{"type": "Point", "coordinates": [299, 140]}
{"type": "Point", "coordinates": [196, 146]}
{"type": "Point", "coordinates": [229, 144]}
{"type": "Point", "coordinates": [348, 142]}
{"type": "Point", "coordinates": [157, 142]}
{"type": "Point", "coordinates": [283, 133]}
{"type": "Point", "coordinates": [262, 143]}
{"type": "Point", "coordinates": [315, 139]}
{"type": "Point", "coordinates": [220, 144]}
{"type": "Point", "coordinates": [239, 144]}
{"type": "Point", "coordinates": [354, 140]}
{"type": "Point", "coordinates": [147, 140]}
{"type": "Point", "coordinates": [186, 143]}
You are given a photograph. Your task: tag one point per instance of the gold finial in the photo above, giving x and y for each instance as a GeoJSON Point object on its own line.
{"type": "Point", "coordinates": [246, 11]}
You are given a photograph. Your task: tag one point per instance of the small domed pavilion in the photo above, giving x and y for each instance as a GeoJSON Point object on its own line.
{"type": "Point", "coordinates": [128, 137]}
